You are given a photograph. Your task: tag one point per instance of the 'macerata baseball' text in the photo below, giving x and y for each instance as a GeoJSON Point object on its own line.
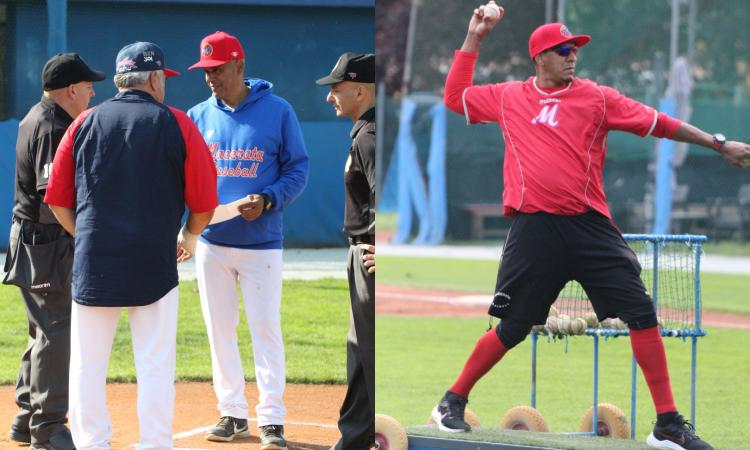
{"type": "Point", "coordinates": [239, 154]}
{"type": "Point", "coordinates": [254, 155]}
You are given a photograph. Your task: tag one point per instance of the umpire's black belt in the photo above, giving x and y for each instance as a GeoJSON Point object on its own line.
{"type": "Point", "coordinates": [362, 239]}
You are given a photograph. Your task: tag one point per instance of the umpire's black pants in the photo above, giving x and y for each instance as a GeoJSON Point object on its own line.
{"type": "Point", "coordinates": [42, 386]}
{"type": "Point", "coordinates": [357, 419]}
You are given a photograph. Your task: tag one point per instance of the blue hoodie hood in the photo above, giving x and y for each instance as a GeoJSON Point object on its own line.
{"type": "Point", "coordinates": [258, 89]}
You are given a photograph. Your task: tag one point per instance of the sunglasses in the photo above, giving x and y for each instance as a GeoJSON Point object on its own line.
{"type": "Point", "coordinates": [565, 49]}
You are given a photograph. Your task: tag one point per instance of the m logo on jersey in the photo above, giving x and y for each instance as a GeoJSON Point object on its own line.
{"type": "Point", "coordinates": [547, 116]}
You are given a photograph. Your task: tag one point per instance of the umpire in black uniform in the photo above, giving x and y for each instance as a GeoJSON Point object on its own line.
{"type": "Point", "coordinates": [352, 95]}
{"type": "Point", "coordinates": [40, 256]}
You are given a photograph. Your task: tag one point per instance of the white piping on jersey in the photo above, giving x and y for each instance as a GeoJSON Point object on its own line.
{"type": "Point", "coordinates": [505, 243]}
{"type": "Point", "coordinates": [466, 110]}
{"type": "Point", "coordinates": [515, 152]}
{"type": "Point", "coordinates": [551, 93]}
{"type": "Point", "coordinates": [588, 168]}
{"type": "Point", "coordinates": [653, 125]}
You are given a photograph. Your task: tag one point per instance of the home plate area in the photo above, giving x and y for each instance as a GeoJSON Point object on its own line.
{"type": "Point", "coordinates": [310, 422]}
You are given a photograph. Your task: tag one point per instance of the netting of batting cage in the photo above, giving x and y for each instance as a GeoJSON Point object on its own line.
{"type": "Point", "coordinates": [630, 51]}
{"type": "Point", "coordinates": [670, 272]}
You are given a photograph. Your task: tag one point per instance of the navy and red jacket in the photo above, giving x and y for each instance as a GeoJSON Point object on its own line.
{"type": "Point", "coordinates": [128, 167]}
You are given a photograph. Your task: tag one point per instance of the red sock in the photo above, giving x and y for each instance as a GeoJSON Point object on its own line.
{"type": "Point", "coordinates": [648, 349]}
{"type": "Point", "coordinates": [488, 352]}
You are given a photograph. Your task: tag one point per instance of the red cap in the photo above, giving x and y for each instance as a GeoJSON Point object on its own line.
{"type": "Point", "coordinates": [552, 34]}
{"type": "Point", "coordinates": [217, 49]}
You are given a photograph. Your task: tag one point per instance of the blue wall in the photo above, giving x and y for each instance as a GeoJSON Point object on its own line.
{"type": "Point", "coordinates": [291, 46]}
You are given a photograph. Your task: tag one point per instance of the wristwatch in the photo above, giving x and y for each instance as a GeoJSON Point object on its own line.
{"type": "Point", "coordinates": [719, 141]}
{"type": "Point", "coordinates": [267, 203]}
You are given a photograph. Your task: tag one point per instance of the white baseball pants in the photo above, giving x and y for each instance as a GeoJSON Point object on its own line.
{"type": "Point", "coordinates": [154, 332]}
{"type": "Point", "coordinates": [259, 273]}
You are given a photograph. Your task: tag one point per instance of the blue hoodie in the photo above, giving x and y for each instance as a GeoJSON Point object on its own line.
{"type": "Point", "coordinates": [258, 149]}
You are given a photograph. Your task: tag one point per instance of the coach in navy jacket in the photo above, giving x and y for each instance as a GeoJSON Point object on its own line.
{"type": "Point", "coordinates": [120, 180]}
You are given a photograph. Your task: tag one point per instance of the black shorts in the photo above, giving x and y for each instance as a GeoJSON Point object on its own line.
{"type": "Point", "coordinates": [545, 251]}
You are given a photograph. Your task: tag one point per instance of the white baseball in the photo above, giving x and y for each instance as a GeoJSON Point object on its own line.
{"type": "Point", "coordinates": [563, 323]}
{"type": "Point", "coordinates": [618, 324]}
{"type": "Point", "coordinates": [552, 325]}
{"type": "Point", "coordinates": [577, 326]}
{"type": "Point", "coordinates": [591, 320]}
{"type": "Point", "coordinates": [491, 11]}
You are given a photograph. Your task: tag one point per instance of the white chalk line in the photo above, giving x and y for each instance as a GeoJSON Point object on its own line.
{"type": "Point", "coordinates": [201, 430]}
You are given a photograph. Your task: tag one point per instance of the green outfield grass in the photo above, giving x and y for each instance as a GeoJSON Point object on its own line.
{"type": "Point", "coordinates": [720, 292]}
{"type": "Point", "coordinates": [388, 222]}
{"type": "Point", "coordinates": [315, 319]}
{"type": "Point", "coordinates": [419, 358]}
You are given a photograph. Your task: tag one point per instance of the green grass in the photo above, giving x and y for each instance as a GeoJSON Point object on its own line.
{"type": "Point", "coordinates": [389, 222]}
{"type": "Point", "coordinates": [728, 248]}
{"type": "Point", "coordinates": [315, 319]}
{"type": "Point", "coordinates": [419, 358]}
{"type": "Point", "coordinates": [720, 292]}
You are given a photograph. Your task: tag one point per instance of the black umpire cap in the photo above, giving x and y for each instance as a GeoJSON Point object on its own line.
{"type": "Point", "coordinates": [65, 69]}
{"type": "Point", "coordinates": [357, 67]}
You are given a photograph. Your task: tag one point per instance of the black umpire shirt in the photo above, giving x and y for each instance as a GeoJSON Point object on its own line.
{"type": "Point", "coordinates": [39, 133]}
{"type": "Point", "coordinates": [359, 178]}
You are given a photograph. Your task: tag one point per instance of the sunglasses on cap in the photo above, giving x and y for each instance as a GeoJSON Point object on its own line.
{"type": "Point", "coordinates": [564, 49]}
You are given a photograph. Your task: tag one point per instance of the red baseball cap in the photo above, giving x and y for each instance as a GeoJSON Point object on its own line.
{"type": "Point", "coordinates": [552, 34]}
{"type": "Point", "coordinates": [217, 49]}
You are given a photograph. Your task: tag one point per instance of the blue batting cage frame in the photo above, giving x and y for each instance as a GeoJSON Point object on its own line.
{"type": "Point", "coordinates": [693, 333]}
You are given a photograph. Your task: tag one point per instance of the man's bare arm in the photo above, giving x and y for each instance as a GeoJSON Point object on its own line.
{"type": "Point", "coordinates": [66, 217]}
{"type": "Point", "coordinates": [737, 153]}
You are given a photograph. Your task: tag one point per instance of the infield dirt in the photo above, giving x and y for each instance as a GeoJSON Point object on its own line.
{"type": "Point", "coordinates": [311, 418]}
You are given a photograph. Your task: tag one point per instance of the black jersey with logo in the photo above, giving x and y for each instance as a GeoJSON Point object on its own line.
{"type": "Point", "coordinates": [39, 133]}
{"type": "Point", "coordinates": [359, 178]}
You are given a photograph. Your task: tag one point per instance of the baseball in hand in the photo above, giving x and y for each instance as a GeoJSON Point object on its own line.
{"type": "Point", "coordinates": [491, 11]}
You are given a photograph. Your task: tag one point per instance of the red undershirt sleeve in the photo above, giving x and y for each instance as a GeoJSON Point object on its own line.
{"type": "Point", "coordinates": [480, 104]}
{"type": "Point", "coordinates": [459, 78]}
{"type": "Point", "coordinates": [666, 126]}
{"type": "Point", "coordinates": [200, 170]}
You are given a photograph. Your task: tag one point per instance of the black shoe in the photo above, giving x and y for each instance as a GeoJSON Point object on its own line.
{"type": "Point", "coordinates": [449, 413]}
{"type": "Point", "coordinates": [61, 440]}
{"type": "Point", "coordinates": [272, 437]}
{"type": "Point", "coordinates": [18, 435]}
{"type": "Point", "coordinates": [228, 429]}
{"type": "Point", "coordinates": [676, 435]}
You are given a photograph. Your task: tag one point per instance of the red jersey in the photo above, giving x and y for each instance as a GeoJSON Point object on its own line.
{"type": "Point", "coordinates": [555, 139]}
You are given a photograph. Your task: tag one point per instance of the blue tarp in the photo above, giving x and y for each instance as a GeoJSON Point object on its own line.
{"type": "Point", "coordinates": [8, 135]}
{"type": "Point", "coordinates": [428, 202]}
{"type": "Point", "coordinates": [664, 173]}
